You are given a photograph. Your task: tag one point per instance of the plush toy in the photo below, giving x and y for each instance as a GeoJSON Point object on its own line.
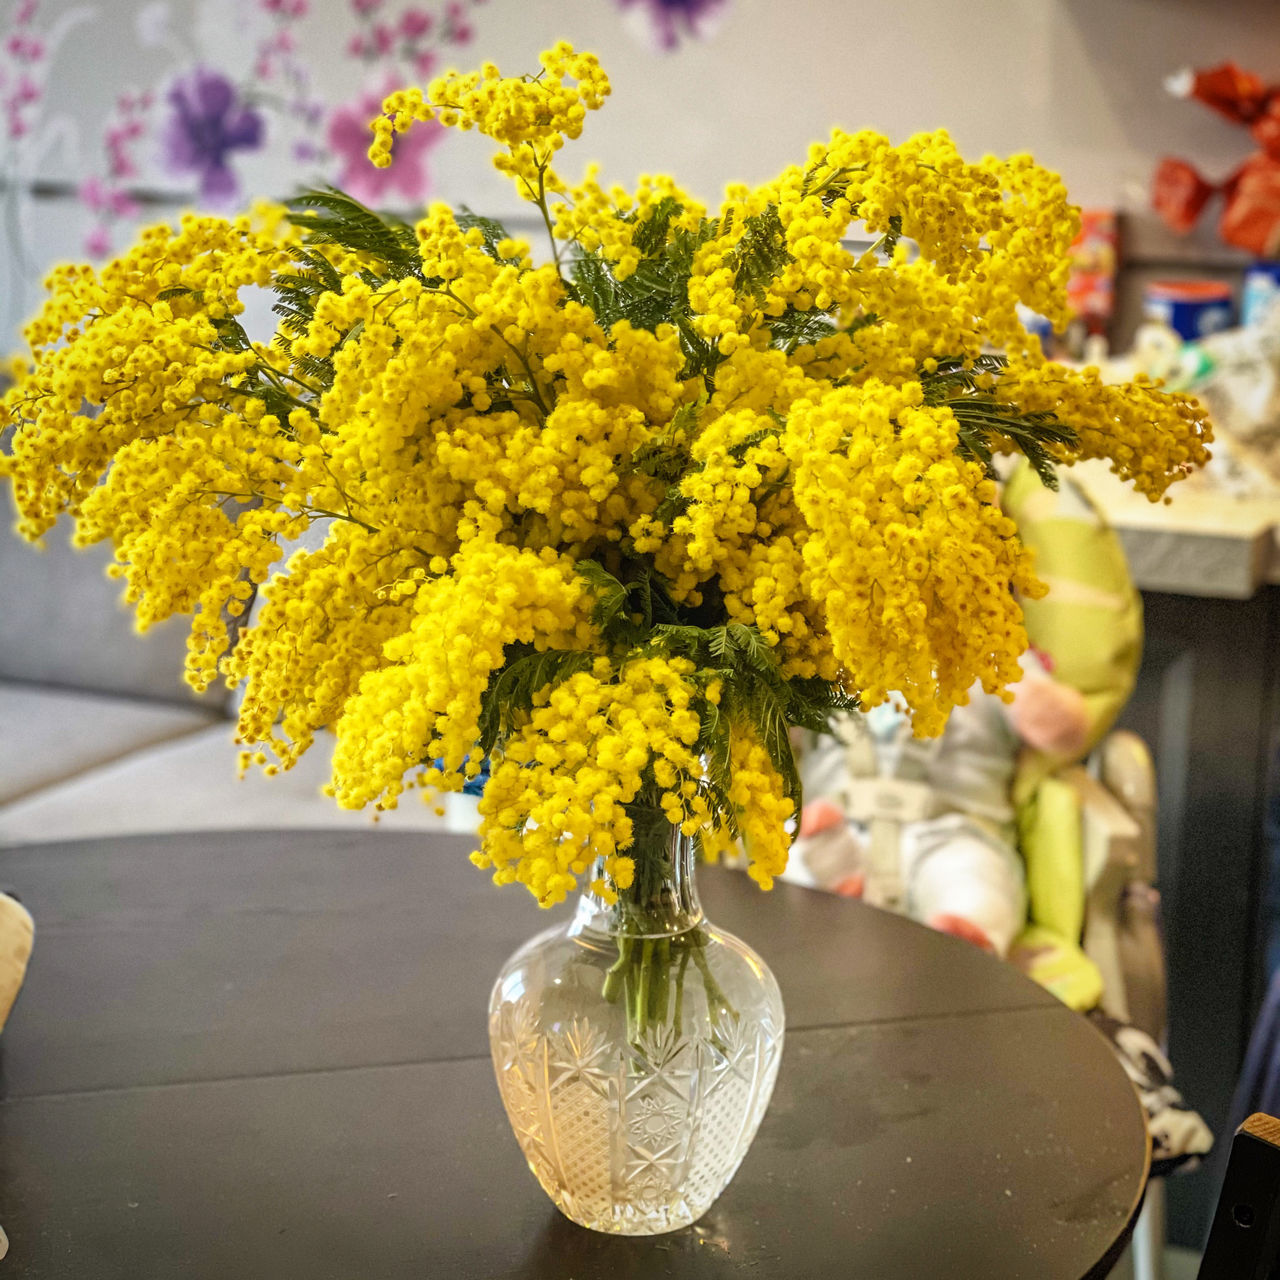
{"type": "Point", "coordinates": [927, 827]}
{"type": "Point", "coordinates": [1251, 212]}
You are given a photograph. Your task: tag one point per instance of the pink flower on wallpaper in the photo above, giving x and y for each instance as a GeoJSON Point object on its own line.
{"type": "Point", "coordinates": [25, 48]}
{"type": "Point", "coordinates": [101, 198]}
{"type": "Point", "coordinates": [97, 243]}
{"type": "Point", "coordinates": [416, 23]}
{"type": "Point", "coordinates": [666, 22]}
{"type": "Point", "coordinates": [406, 176]}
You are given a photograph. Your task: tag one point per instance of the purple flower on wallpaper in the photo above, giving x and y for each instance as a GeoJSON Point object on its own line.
{"type": "Point", "coordinates": [208, 123]}
{"type": "Point", "coordinates": [406, 176]}
{"type": "Point", "coordinates": [665, 22]}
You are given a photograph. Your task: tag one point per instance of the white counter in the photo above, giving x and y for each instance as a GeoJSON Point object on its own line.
{"type": "Point", "coordinates": [1204, 543]}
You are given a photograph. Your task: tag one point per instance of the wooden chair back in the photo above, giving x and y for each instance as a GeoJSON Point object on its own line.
{"type": "Point", "coordinates": [1244, 1242]}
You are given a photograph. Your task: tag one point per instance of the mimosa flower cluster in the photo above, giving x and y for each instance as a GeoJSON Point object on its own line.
{"type": "Point", "coordinates": [610, 518]}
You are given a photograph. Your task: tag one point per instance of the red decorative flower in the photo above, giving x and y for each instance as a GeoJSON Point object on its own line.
{"type": "Point", "coordinates": [1251, 219]}
{"type": "Point", "coordinates": [1179, 194]}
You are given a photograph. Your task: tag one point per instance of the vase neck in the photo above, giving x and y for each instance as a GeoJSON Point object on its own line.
{"type": "Point", "coordinates": [662, 899]}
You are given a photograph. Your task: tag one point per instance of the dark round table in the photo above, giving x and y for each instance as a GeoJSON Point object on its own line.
{"type": "Point", "coordinates": [264, 1055]}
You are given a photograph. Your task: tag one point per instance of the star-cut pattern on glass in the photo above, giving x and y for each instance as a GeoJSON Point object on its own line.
{"type": "Point", "coordinates": [655, 1121]}
{"type": "Point", "coordinates": [663, 1059]}
{"type": "Point", "coordinates": [580, 1053]}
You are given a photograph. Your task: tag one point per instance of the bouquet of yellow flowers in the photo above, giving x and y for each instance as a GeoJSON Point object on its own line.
{"type": "Point", "coordinates": [609, 519]}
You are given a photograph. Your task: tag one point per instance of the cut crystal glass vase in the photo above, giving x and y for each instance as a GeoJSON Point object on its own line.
{"type": "Point", "coordinates": [636, 1050]}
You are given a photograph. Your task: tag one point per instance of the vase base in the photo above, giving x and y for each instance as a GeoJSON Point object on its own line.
{"type": "Point", "coordinates": [625, 1220]}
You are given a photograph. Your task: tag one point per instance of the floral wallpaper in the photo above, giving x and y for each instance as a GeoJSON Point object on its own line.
{"type": "Point", "coordinates": [229, 84]}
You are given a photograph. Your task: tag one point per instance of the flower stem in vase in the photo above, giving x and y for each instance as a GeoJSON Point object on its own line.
{"type": "Point", "coordinates": [656, 925]}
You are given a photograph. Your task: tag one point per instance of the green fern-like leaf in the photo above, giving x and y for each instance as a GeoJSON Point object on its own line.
{"type": "Point", "coordinates": [681, 639]}
{"type": "Point", "coordinates": [333, 217]}
{"type": "Point", "coordinates": [493, 231]}
{"type": "Point", "coordinates": [320, 267]}
{"type": "Point", "coordinates": [594, 286]}
{"type": "Point", "coordinates": [651, 232]}
{"type": "Point", "coordinates": [750, 644]}
{"type": "Point", "coordinates": [795, 328]}
{"type": "Point", "coordinates": [611, 595]}
{"type": "Point", "coordinates": [673, 504]}
{"type": "Point", "coordinates": [702, 358]}
{"type": "Point", "coordinates": [739, 451]}
{"type": "Point", "coordinates": [982, 419]}
{"type": "Point", "coordinates": [761, 252]}
{"type": "Point", "coordinates": [714, 743]}
{"type": "Point", "coordinates": [511, 691]}
{"type": "Point", "coordinates": [889, 241]}
{"type": "Point", "coordinates": [764, 707]}
{"type": "Point", "coordinates": [659, 459]}
{"type": "Point", "coordinates": [812, 702]}
{"type": "Point", "coordinates": [719, 645]}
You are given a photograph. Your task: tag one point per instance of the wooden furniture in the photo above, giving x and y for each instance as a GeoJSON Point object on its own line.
{"type": "Point", "coordinates": [264, 1055]}
{"type": "Point", "coordinates": [1244, 1243]}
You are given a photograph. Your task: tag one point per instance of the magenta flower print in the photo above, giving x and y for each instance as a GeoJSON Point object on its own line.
{"type": "Point", "coordinates": [207, 124]}
{"type": "Point", "coordinates": [666, 22]}
{"type": "Point", "coordinates": [406, 176]}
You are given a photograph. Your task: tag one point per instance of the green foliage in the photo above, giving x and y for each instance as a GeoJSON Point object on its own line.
{"type": "Point", "coordinates": [181, 291]}
{"type": "Point", "coordinates": [794, 328]}
{"type": "Point", "coordinates": [739, 451]}
{"type": "Point", "coordinates": [611, 595]}
{"type": "Point", "coordinates": [987, 424]}
{"type": "Point", "coordinates": [889, 241]}
{"type": "Point", "coordinates": [510, 692]}
{"type": "Point", "coordinates": [332, 217]}
{"type": "Point", "coordinates": [754, 694]}
{"type": "Point", "coordinates": [831, 184]}
{"type": "Point", "coordinates": [658, 291]}
{"type": "Point", "coordinates": [661, 460]}
{"type": "Point", "coordinates": [626, 611]}
{"type": "Point", "coordinates": [651, 234]}
{"type": "Point", "coordinates": [635, 612]}
{"type": "Point", "coordinates": [760, 254]}
{"type": "Point", "coordinates": [646, 298]}
{"type": "Point", "coordinates": [493, 231]}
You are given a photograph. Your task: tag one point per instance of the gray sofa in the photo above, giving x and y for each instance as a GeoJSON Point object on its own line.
{"type": "Point", "coordinates": [100, 736]}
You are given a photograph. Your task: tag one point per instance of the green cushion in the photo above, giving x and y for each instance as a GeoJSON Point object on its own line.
{"type": "Point", "coordinates": [1090, 628]}
{"type": "Point", "coordinates": [1059, 966]}
{"type": "Point", "coordinates": [1051, 838]}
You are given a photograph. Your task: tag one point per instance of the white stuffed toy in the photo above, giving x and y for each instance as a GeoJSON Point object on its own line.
{"type": "Point", "coordinates": [926, 826]}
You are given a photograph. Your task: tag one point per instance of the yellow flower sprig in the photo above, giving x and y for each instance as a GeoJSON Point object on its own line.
{"type": "Point", "coordinates": [604, 525]}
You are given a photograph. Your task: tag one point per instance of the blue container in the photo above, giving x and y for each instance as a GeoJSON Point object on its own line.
{"type": "Point", "coordinates": [1193, 309]}
{"type": "Point", "coordinates": [1261, 289]}
{"type": "Point", "coordinates": [1037, 327]}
